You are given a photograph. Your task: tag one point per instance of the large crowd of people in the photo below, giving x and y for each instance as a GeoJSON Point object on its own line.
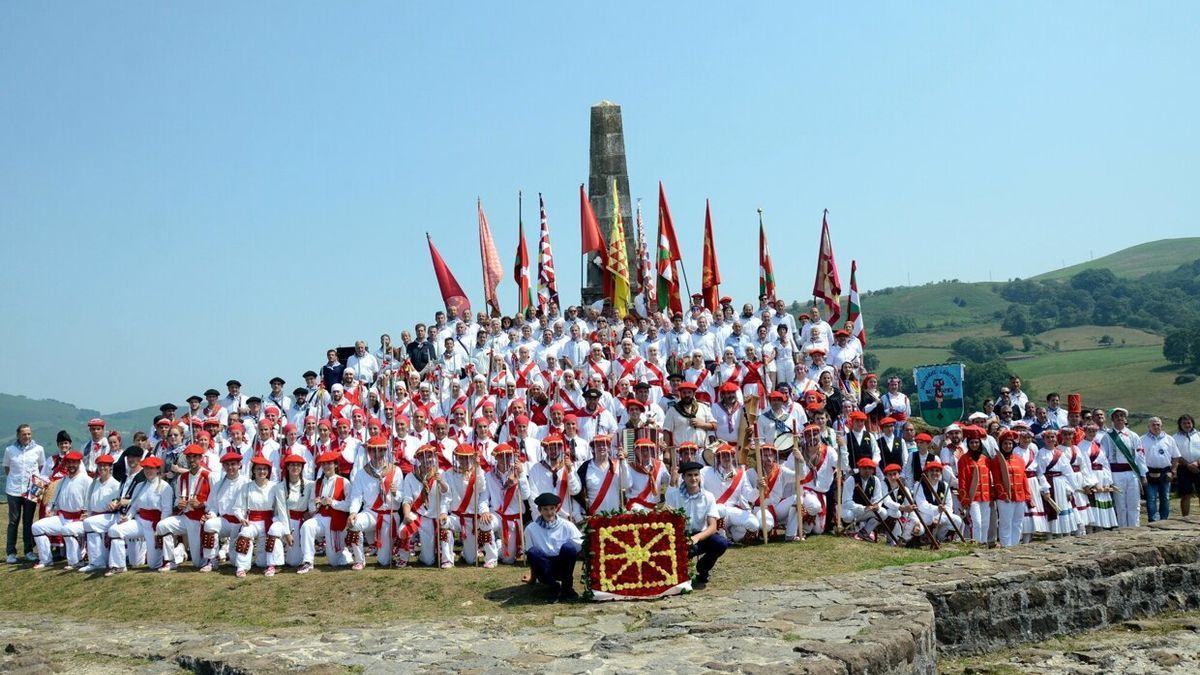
{"type": "Point", "coordinates": [487, 440]}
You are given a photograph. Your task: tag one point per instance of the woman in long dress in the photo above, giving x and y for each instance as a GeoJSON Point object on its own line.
{"type": "Point", "coordinates": [1057, 482]}
{"type": "Point", "coordinates": [1102, 514]}
{"type": "Point", "coordinates": [1084, 481]}
{"type": "Point", "coordinates": [1035, 510]}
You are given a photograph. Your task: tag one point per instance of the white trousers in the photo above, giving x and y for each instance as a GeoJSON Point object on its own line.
{"type": "Point", "coordinates": [375, 527]}
{"type": "Point", "coordinates": [1011, 521]}
{"type": "Point", "coordinates": [69, 530]}
{"type": "Point", "coordinates": [464, 526]}
{"type": "Point", "coordinates": [134, 529]}
{"type": "Point", "coordinates": [175, 526]}
{"type": "Point", "coordinates": [294, 555]}
{"type": "Point", "coordinates": [427, 533]}
{"type": "Point", "coordinates": [318, 527]}
{"type": "Point", "coordinates": [862, 521]}
{"type": "Point", "coordinates": [95, 529]}
{"type": "Point", "coordinates": [218, 529]}
{"type": "Point", "coordinates": [737, 521]}
{"type": "Point", "coordinates": [814, 512]}
{"type": "Point", "coordinates": [945, 523]}
{"type": "Point", "coordinates": [262, 545]}
{"type": "Point", "coordinates": [981, 520]}
{"type": "Point", "coordinates": [1127, 502]}
{"type": "Point", "coordinates": [785, 515]}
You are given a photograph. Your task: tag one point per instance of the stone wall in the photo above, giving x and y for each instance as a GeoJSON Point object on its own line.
{"type": "Point", "coordinates": [998, 599]}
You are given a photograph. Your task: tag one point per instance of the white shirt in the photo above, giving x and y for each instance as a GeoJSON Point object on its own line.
{"type": "Point", "coordinates": [72, 493]}
{"type": "Point", "coordinates": [697, 507]}
{"type": "Point", "coordinates": [1160, 450]}
{"type": "Point", "coordinates": [548, 539]}
{"type": "Point", "coordinates": [364, 367]}
{"type": "Point", "coordinates": [1189, 446]}
{"type": "Point", "coordinates": [20, 465]}
{"type": "Point", "coordinates": [226, 496]}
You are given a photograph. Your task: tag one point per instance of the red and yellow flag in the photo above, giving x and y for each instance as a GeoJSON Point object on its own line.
{"type": "Point", "coordinates": [711, 277]}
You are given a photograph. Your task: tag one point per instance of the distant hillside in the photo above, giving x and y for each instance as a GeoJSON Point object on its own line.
{"type": "Point", "coordinates": [47, 416]}
{"type": "Point", "coordinates": [1163, 255]}
{"type": "Point", "coordinates": [935, 305]}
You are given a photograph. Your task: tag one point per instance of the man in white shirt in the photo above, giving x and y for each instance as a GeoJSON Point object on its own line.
{"type": "Point", "coordinates": [1162, 461]}
{"type": "Point", "coordinates": [700, 508]}
{"type": "Point", "coordinates": [362, 363]}
{"type": "Point", "coordinates": [552, 545]}
{"type": "Point", "coordinates": [23, 461]}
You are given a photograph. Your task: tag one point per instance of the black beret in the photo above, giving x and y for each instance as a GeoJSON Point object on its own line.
{"type": "Point", "coordinates": [233, 383]}
{"type": "Point", "coordinates": [547, 499]}
{"type": "Point", "coordinates": [690, 466]}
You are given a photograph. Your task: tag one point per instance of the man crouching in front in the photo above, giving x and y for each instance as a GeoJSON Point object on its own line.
{"type": "Point", "coordinates": [552, 545]}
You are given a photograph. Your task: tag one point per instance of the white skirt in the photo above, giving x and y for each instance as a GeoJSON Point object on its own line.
{"type": "Point", "coordinates": [1035, 510]}
{"type": "Point", "coordinates": [1060, 489]}
{"type": "Point", "coordinates": [1083, 514]}
{"type": "Point", "coordinates": [1102, 512]}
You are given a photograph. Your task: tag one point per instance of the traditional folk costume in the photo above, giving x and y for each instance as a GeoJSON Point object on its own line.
{"type": "Point", "coordinates": [728, 482]}
{"type": "Point", "coordinates": [1058, 481]}
{"type": "Point", "coordinates": [66, 514]}
{"type": "Point", "coordinates": [1103, 514]}
{"type": "Point", "coordinates": [331, 515]}
{"type": "Point", "coordinates": [297, 496]}
{"type": "Point", "coordinates": [554, 474]}
{"type": "Point", "coordinates": [817, 470]}
{"type": "Point", "coordinates": [508, 490]}
{"type": "Point", "coordinates": [266, 523]}
{"type": "Point", "coordinates": [374, 499]}
{"type": "Point", "coordinates": [192, 489]}
{"type": "Point", "coordinates": [935, 500]}
{"type": "Point", "coordinates": [1011, 502]}
{"type": "Point", "coordinates": [425, 503]}
{"type": "Point", "coordinates": [224, 510]}
{"type": "Point", "coordinates": [470, 517]}
{"type": "Point", "coordinates": [861, 491]}
{"type": "Point", "coordinates": [151, 499]}
{"type": "Point", "coordinates": [99, 516]}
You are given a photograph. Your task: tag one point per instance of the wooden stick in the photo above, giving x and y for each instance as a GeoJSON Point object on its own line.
{"type": "Point", "coordinates": [942, 507]}
{"type": "Point", "coordinates": [917, 512]}
{"type": "Point", "coordinates": [883, 524]}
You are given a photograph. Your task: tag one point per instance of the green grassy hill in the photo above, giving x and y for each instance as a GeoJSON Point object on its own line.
{"type": "Point", "coordinates": [933, 305]}
{"type": "Point", "coordinates": [47, 416]}
{"type": "Point", "coordinates": [1163, 255]}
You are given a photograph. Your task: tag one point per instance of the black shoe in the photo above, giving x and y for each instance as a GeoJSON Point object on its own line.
{"type": "Point", "coordinates": [700, 580]}
{"type": "Point", "coordinates": [568, 594]}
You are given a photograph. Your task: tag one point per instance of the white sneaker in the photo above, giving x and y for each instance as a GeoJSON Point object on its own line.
{"type": "Point", "coordinates": [88, 568]}
{"type": "Point", "coordinates": [11, 559]}
{"type": "Point", "coordinates": [31, 557]}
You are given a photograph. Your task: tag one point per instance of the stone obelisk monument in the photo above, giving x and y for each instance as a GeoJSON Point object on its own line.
{"type": "Point", "coordinates": [607, 161]}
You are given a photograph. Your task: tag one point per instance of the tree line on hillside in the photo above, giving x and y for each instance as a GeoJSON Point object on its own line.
{"type": "Point", "coordinates": [1159, 302]}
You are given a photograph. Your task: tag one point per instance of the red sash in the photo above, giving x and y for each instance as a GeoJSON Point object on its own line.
{"type": "Point", "coordinates": [523, 375]}
{"type": "Point", "coordinates": [598, 370]}
{"type": "Point", "coordinates": [627, 367]}
{"type": "Point", "coordinates": [733, 486]}
{"type": "Point", "coordinates": [265, 517]}
{"type": "Point", "coordinates": [468, 493]}
{"type": "Point", "coordinates": [658, 375]}
{"type": "Point", "coordinates": [200, 495]}
{"type": "Point", "coordinates": [603, 492]}
{"type": "Point", "coordinates": [774, 476]}
{"type": "Point", "coordinates": [152, 515]}
{"type": "Point", "coordinates": [651, 484]}
{"type": "Point", "coordinates": [337, 518]}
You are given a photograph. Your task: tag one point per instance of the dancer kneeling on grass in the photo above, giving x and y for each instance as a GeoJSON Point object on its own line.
{"type": "Point", "coordinates": [552, 545]}
{"type": "Point", "coordinates": [701, 509]}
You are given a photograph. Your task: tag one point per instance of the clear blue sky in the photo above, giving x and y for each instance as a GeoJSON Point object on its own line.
{"type": "Point", "coordinates": [194, 192]}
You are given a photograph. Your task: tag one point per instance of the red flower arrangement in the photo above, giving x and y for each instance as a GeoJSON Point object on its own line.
{"type": "Point", "coordinates": [635, 555]}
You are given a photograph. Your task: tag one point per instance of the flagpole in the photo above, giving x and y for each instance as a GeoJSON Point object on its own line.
{"type": "Point", "coordinates": [521, 234]}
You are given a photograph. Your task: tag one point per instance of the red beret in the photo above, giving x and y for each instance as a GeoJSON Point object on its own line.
{"type": "Point", "coordinates": [687, 385]}
{"type": "Point", "coordinates": [331, 456]}
{"type": "Point", "coordinates": [105, 459]}
{"type": "Point", "coordinates": [891, 467]}
{"type": "Point", "coordinates": [95, 422]}
{"type": "Point", "coordinates": [858, 416]}
{"type": "Point", "coordinates": [887, 420]}
{"type": "Point", "coordinates": [152, 463]}
{"type": "Point", "coordinates": [866, 463]}
{"type": "Point", "coordinates": [728, 388]}
{"type": "Point", "coordinates": [260, 461]}
{"type": "Point", "coordinates": [231, 456]}
{"type": "Point", "coordinates": [924, 438]}
{"type": "Point", "coordinates": [934, 466]}
{"type": "Point", "coordinates": [293, 459]}
{"type": "Point", "coordinates": [376, 442]}
{"type": "Point", "coordinates": [193, 449]}
{"type": "Point", "coordinates": [777, 396]}
{"type": "Point", "coordinates": [73, 456]}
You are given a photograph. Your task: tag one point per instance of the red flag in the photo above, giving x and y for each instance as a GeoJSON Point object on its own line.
{"type": "Point", "coordinates": [452, 293]}
{"type": "Point", "coordinates": [593, 240]}
{"type": "Point", "coordinates": [827, 287]}
{"type": "Point", "coordinates": [492, 269]}
{"type": "Point", "coordinates": [521, 269]}
{"type": "Point", "coordinates": [668, 258]}
{"type": "Point", "coordinates": [855, 311]}
{"type": "Point", "coordinates": [711, 278]}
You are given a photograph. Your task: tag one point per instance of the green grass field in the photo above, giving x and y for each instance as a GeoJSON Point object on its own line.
{"type": "Point", "coordinates": [934, 304]}
{"type": "Point", "coordinates": [372, 594]}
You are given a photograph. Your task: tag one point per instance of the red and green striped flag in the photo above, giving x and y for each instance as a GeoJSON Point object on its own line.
{"type": "Point", "coordinates": [766, 273]}
{"type": "Point", "coordinates": [521, 265]}
{"type": "Point", "coordinates": [855, 315]}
